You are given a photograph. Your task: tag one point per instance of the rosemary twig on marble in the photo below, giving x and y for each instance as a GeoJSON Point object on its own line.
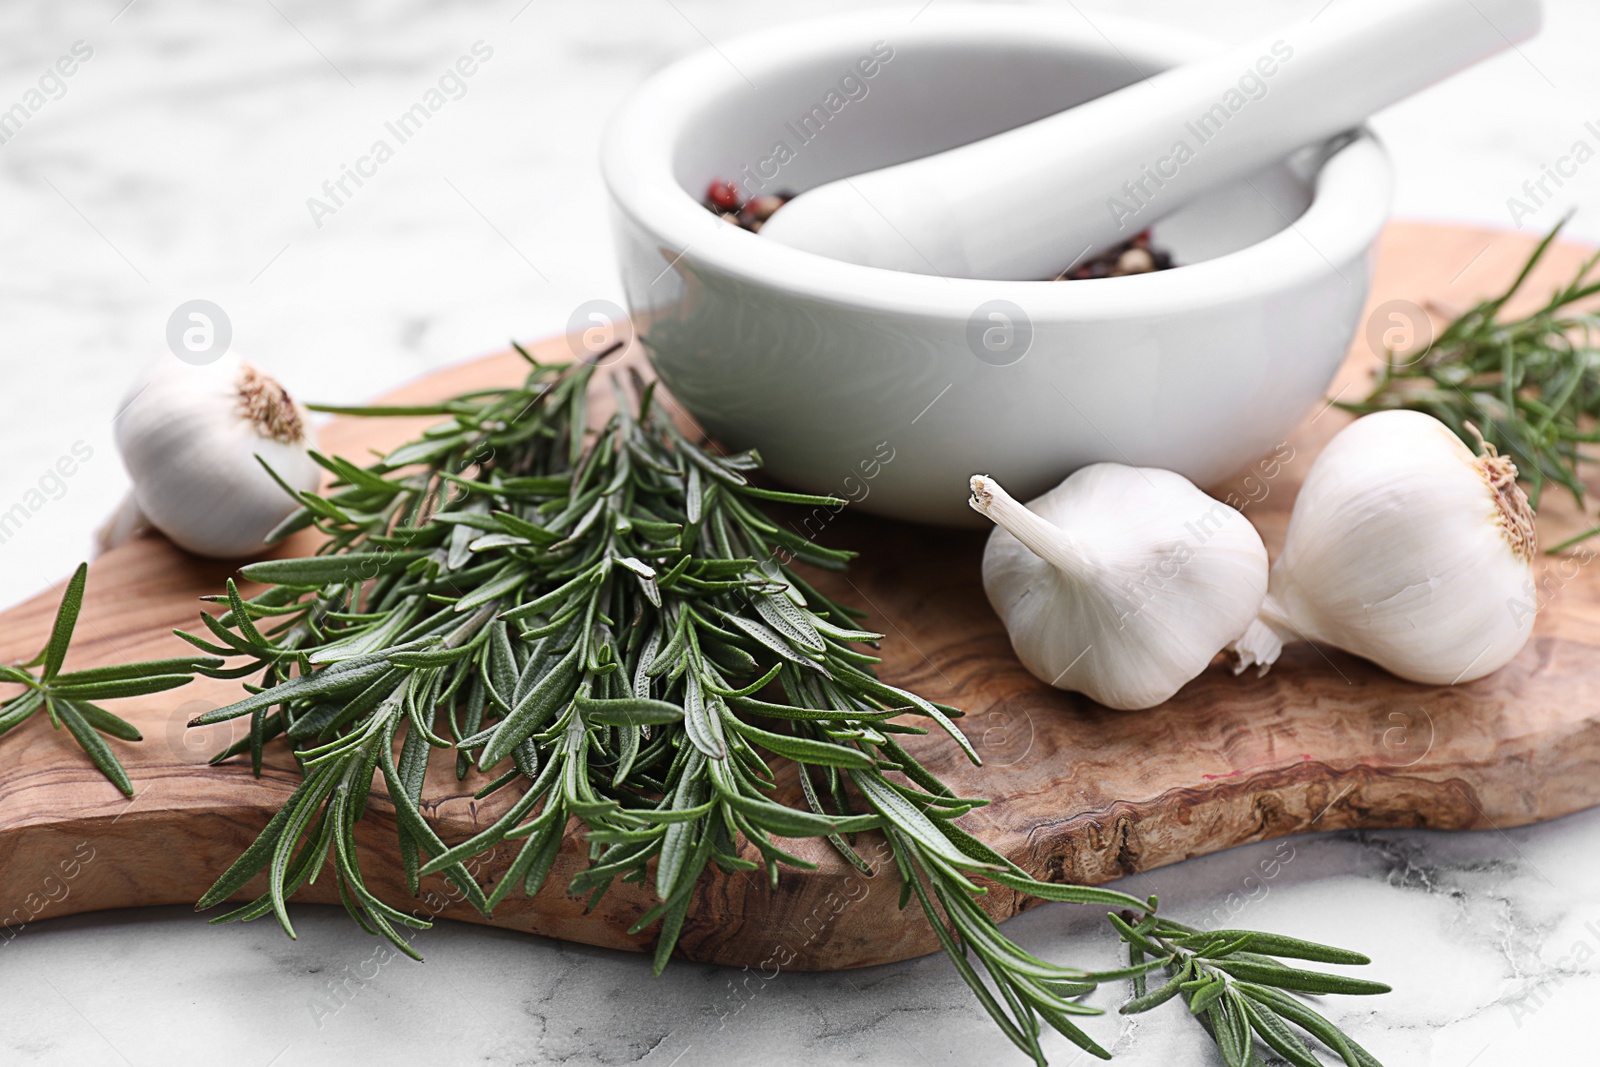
{"type": "Point", "coordinates": [1530, 384]}
{"type": "Point", "coordinates": [1238, 988]}
{"type": "Point", "coordinates": [69, 697]}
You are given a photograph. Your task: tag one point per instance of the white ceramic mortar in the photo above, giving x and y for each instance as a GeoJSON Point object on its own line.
{"type": "Point", "coordinates": [890, 389]}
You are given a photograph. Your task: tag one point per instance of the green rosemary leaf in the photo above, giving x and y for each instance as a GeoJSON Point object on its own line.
{"type": "Point", "coordinates": [330, 681]}
{"type": "Point", "coordinates": [1232, 1034]}
{"type": "Point", "coordinates": [1290, 947]}
{"type": "Point", "coordinates": [354, 476]}
{"type": "Point", "coordinates": [532, 865]}
{"type": "Point", "coordinates": [510, 578]}
{"type": "Point", "coordinates": [412, 772]}
{"type": "Point", "coordinates": [770, 640]}
{"type": "Point", "coordinates": [1139, 935]}
{"type": "Point", "coordinates": [470, 520]}
{"type": "Point", "coordinates": [677, 907]}
{"type": "Point", "coordinates": [1155, 998]}
{"type": "Point", "coordinates": [744, 692]}
{"type": "Point", "coordinates": [501, 675]}
{"type": "Point", "coordinates": [120, 671]}
{"type": "Point", "coordinates": [665, 816]}
{"type": "Point", "coordinates": [313, 720]}
{"type": "Point", "coordinates": [486, 543]}
{"type": "Point", "coordinates": [838, 633]}
{"type": "Point", "coordinates": [802, 499]}
{"type": "Point", "coordinates": [1001, 1017]}
{"type": "Point", "coordinates": [520, 527]}
{"type": "Point", "coordinates": [16, 675]}
{"type": "Point", "coordinates": [238, 643]}
{"type": "Point", "coordinates": [805, 749]}
{"type": "Point", "coordinates": [534, 709]}
{"type": "Point", "coordinates": [297, 520]}
{"type": "Point", "coordinates": [126, 687]}
{"type": "Point", "coordinates": [1304, 1017]}
{"type": "Point", "coordinates": [104, 721]}
{"type": "Point", "coordinates": [913, 823]}
{"type": "Point", "coordinates": [55, 650]}
{"type": "Point", "coordinates": [98, 751]}
{"type": "Point", "coordinates": [315, 571]}
{"type": "Point", "coordinates": [240, 618]}
{"type": "Point", "coordinates": [544, 603]}
{"type": "Point", "coordinates": [628, 711]}
{"type": "Point", "coordinates": [1218, 948]}
{"type": "Point", "coordinates": [1136, 970]}
{"type": "Point", "coordinates": [1272, 1030]}
{"type": "Point", "coordinates": [17, 710]}
{"type": "Point", "coordinates": [429, 660]}
{"type": "Point", "coordinates": [702, 724]}
{"type": "Point", "coordinates": [1062, 891]}
{"type": "Point", "coordinates": [381, 412]}
{"type": "Point", "coordinates": [777, 818]}
{"type": "Point", "coordinates": [1298, 980]}
{"type": "Point", "coordinates": [893, 696]}
{"type": "Point", "coordinates": [780, 614]}
{"type": "Point", "coordinates": [212, 651]}
{"type": "Point", "coordinates": [1208, 992]}
{"type": "Point", "coordinates": [1066, 1029]}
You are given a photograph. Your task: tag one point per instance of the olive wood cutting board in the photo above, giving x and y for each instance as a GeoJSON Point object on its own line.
{"type": "Point", "coordinates": [1079, 793]}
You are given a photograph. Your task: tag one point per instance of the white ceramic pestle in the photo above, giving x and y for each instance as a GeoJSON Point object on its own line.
{"type": "Point", "coordinates": [1021, 204]}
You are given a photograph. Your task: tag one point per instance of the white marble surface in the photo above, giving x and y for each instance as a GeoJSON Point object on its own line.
{"type": "Point", "coordinates": [177, 165]}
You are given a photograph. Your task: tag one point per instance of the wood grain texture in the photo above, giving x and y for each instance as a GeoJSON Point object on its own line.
{"type": "Point", "coordinates": [1079, 793]}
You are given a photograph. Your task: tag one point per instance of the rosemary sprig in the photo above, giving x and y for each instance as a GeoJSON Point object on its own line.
{"type": "Point", "coordinates": [609, 624]}
{"type": "Point", "coordinates": [69, 697]}
{"type": "Point", "coordinates": [1530, 384]}
{"type": "Point", "coordinates": [1237, 987]}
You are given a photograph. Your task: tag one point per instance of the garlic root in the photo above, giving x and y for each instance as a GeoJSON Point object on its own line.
{"type": "Point", "coordinates": [1259, 647]}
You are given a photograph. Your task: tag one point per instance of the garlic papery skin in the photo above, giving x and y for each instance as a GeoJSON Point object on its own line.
{"type": "Point", "coordinates": [1122, 583]}
{"type": "Point", "coordinates": [1406, 549]}
{"type": "Point", "coordinates": [189, 436]}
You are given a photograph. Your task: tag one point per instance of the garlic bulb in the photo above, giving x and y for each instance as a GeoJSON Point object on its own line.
{"type": "Point", "coordinates": [1122, 583]}
{"type": "Point", "coordinates": [1406, 549]}
{"type": "Point", "coordinates": [189, 437]}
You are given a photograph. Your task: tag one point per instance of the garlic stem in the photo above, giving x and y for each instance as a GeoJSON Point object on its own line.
{"type": "Point", "coordinates": [1043, 538]}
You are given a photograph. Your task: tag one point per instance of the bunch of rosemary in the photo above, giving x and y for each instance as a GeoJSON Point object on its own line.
{"type": "Point", "coordinates": [608, 624]}
{"type": "Point", "coordinates": [1530, 384]}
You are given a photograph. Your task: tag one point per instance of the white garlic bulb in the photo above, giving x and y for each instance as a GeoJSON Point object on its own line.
{"type": "Point", "coordinates": [1406, 549]}
{"type": "Point", "coordinates": [1122, 583]}
{"type": "Point", "coordinates": [189, 437]}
